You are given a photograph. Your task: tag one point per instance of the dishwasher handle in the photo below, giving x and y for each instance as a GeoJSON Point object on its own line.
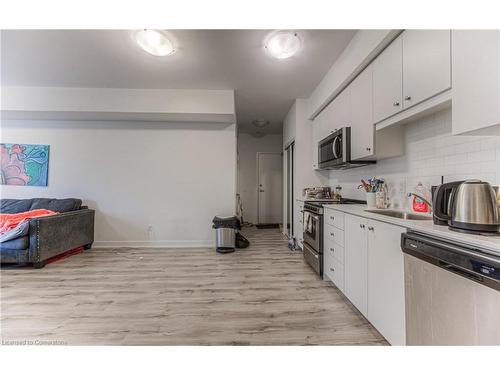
{"type": "Point", "coordinates": [449, 247]}
{"type": "Point", "coordinates": [461, 272]}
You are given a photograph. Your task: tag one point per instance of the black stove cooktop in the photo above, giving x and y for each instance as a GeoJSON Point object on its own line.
{"type": "Point", "coordinates": [322, 202]}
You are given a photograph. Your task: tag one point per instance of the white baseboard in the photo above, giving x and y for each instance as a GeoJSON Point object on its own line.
{"type": "Point", "coordinates": [154, 244]}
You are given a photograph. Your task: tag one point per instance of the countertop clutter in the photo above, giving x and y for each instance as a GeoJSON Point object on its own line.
{"type": "Point", "coordinates": [483, 242]}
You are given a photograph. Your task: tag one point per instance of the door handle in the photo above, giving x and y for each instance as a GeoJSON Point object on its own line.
{"type": "Point", "coordinates": [262, 191]}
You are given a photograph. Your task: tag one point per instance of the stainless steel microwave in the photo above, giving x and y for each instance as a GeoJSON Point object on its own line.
{"type": "Point", "coordinates": [334, 151]}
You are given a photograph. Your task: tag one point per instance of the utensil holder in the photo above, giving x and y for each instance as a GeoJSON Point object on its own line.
{"type": "Point", "coordinates": [370, 200]}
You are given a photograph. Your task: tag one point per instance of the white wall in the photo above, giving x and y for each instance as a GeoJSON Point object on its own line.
{"type": "Point", "coordinates": [172, 177]}
{"type": "Point", "coordinates": [430, 152]}
{"type": "Point", "coordinates": [248, 146]}
{"type": "Point", "coordinates": [73, 99]}
{"type": "Point", "coordinates": [305, 175]}
{"type": "Point", "coordinates": [297, 127]}
{"type": "Point", "coordinates": [290, 125]}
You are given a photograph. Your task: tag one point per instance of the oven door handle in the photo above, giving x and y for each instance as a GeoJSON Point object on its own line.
{"type": "Point", "coordinates": [315, 217]}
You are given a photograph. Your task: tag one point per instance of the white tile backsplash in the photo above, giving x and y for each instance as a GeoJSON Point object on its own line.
{"type": "Point", "coordinates": [431, 151]}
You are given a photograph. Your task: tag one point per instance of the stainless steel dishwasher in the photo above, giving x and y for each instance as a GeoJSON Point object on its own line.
{"type": "Point", "coordinates": [452, 292]}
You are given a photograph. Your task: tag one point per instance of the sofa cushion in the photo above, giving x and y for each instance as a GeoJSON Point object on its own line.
{"type": "Point", "coordinates": [20, 243]}
{"type": "Point", "coordinates": [14, 206]}
{"type": "Point", "coordinates": [57, 205]}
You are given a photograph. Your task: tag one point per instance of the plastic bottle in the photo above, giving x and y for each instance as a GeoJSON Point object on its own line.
{"type": "Point", "coordinates": [418, 204]}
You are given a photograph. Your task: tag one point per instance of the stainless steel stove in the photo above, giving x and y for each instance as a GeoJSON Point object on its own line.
{"type": "Point", "coordinates": [313, 230]}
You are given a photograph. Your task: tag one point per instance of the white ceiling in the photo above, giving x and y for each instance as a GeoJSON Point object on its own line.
{"type": "Point", "coordinates": [206, 59]}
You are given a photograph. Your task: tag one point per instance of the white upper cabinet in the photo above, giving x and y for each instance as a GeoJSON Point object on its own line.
{"type": "Point", "coordinates": [426, 64]}
{"type": "Point", "coordinates": [340, 115]}
{"type": "Point", "coordinates": [327, 122]}
{"type": "Point", "coordinates": [388, 81]}
{"type": "Point", "coordinates": [415, 67]}
{"type": "Point", "coordinates": [476, 80]}
{"type": "Point", "coordinates": [362, 128]}
{"type": "Point", "coordinates": [319, 132]}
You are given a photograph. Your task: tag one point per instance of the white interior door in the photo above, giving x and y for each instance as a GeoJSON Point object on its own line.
{"type": "Point", "coordinates": [270, 187]}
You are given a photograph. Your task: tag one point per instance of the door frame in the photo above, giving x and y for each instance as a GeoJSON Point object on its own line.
{"type": "Point", "coordinates": [258, 180]}
{"type": "Point", "coordinates": [289, 179]}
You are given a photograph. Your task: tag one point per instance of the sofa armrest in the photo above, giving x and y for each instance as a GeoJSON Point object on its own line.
{"type": "Point", "coordinates": [56, 234]}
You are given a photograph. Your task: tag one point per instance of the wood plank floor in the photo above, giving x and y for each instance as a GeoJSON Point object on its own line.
{"type": "Point", "coordinates": [262, 295]}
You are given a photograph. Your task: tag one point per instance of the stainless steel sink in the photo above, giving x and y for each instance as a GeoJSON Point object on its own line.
{"type": "Point", "coordinates": [400, 214]}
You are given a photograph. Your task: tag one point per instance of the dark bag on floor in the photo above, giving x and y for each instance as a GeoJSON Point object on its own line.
{"type": "Point", "coordinates": [241, 242]}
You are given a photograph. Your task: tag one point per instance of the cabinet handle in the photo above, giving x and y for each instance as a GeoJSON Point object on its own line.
{"type": "Point", "coordinates": [332, 249]}
{"type": "Point", "coordinates": [331, 269]}
{"type": "Point", "coordinates": [407, 97]}
{"type": "Point", "coordinates": [362, 226]}
{"type": "Point", "coordinates": [395, 104]}
{"type": "Point", "coordinates": [370, 228]}
{"type": "Point", "coordinates": [331, 217]}
{"type": "Point", "coordinates": [368, 149]}
{"type": "Point", "coordinates": [331, 234]}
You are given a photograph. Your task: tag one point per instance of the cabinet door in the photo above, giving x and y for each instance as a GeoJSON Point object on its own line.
{"type": "Point", "coordinates": [327, 120]}
{"type": "Point", "coordinates": [388, 82]}
{"type": "Point", "coordinates": [475, 79]}
{"type": "Point", "coordinates": [333, 270]}
{"type": "Point", "coordinates": [316, 134]}
{"type": "Point", "coordinates": [356, 262]}
{"type": "Point", "coordinates": [341, 110]}
{"type": "Point", "coordinates": [386, 297]}
{"type": "Point", "coordinates": [299, 219]}
{"type": "Point", "coordinates": [362, 127]}
{"type": "Point", "coordinates": [426, 64]}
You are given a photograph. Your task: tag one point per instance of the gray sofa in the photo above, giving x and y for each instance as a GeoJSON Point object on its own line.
{"type": "Point", "coordinates": [48, 236]}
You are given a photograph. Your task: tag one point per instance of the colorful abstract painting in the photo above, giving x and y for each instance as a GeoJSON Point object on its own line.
{"type": "Point", "coordinates": [24, 165]}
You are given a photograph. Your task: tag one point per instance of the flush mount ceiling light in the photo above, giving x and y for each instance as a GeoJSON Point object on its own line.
{"type": "Point", "coordinates": [260, 123]}
{"type": "Point", "coordinates": [283, 44]}
{"type": "Point", "coordinates": [258, 134]}
{"type": "Point", "coordinates": [154, 42]}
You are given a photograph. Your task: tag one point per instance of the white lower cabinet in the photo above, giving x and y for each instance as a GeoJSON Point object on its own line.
{"type": "Point", "coordinates": [370, 269]}
{"type": "Point", "coordinates": [334, 270]}
{"type": "Point", "coordinates": [333, 248]}
{"type": "Point", "coordinates": [298, 227]}
{"type": "Point", "coordinates": [386, 297]}
{"type": "Point", "coordinates": [356, 262]}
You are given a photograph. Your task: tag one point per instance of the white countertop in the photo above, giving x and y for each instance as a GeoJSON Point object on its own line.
{"type": "Point", "coordinates": [423, 226]}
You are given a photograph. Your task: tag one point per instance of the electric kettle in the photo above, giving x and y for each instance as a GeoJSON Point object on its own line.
{"type": "Point", "coordinates": [471, 207]}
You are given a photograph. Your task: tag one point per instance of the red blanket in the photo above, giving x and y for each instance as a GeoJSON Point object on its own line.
{"type": "Point", "coordinates": [10, 221]}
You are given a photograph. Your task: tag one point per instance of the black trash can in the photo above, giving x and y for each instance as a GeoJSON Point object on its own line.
{"type": "Point", "coordinates": [225, 233]}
